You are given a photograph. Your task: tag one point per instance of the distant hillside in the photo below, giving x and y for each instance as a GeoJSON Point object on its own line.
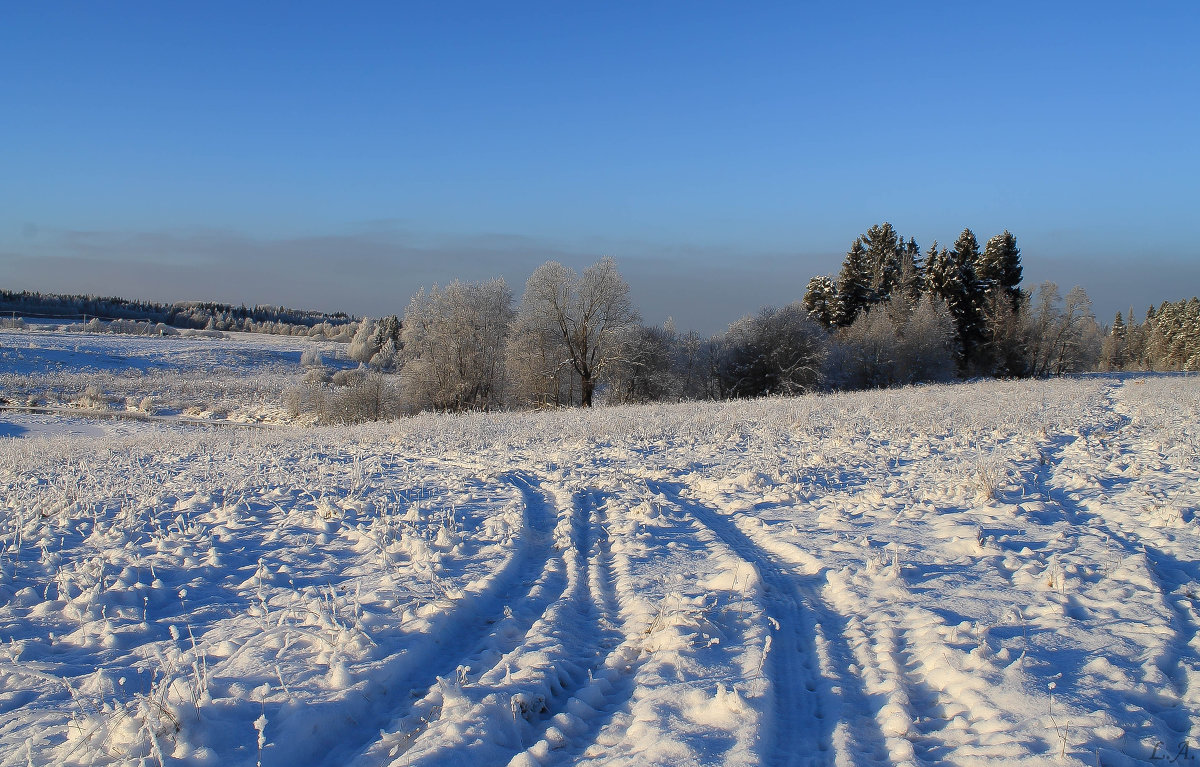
{"type": "Point", "coordinates": [182, 314]}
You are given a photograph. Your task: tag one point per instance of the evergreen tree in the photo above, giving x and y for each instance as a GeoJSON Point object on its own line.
{"type": "Point", "coordinates": [1135, 344]}
{"type": "Point", "coordinates": [967, 300]}
{"type": "Point", "coordinates": [999, 268]}
{"type": "Point", "coordinates": [884, 249]}
{"type": "Point", "coordinates": [854, 285]}
{"type": "Point", "coordinates": [1118, 329]}
{"type": "Point", "coordinates": [1114, 353]}
{"type": "Point", "coordinates": [944, 280]}
{"type": "Point", "coordinates": [1191, 335]}
{"type": "Point", "coordinates": [821, 300]}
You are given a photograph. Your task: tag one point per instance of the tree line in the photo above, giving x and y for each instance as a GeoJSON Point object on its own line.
{"type": "Point", "coordinates": [194, 315]}
{"type": "Point", "coordinates": [970, 293]}
{"type": "Point", "coordinates": [892, 315]}
{"type": "Point", "coordinates": [1168, 339]}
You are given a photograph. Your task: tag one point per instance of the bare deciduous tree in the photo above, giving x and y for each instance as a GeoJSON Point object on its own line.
{"type": "Point", "coordinates": [779, 351]}
{"type": "Point", "coordinates": [1065, 337]}
{"type": "Point", "coordinates": [453, 341]}
{"type": "Point", "coordinates": [586, 315]}
{"type": "Point", "coordinates": [896, 342]}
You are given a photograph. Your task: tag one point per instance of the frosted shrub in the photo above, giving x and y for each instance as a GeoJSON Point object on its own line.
{"type": "Point", "coordinates": [311, 358]}
{"type": "Point", "coordinates": [316, 375]}
{"type": "Point", "coordinates": [347, 377]}
{"type": "Point", "coordinates": [355, 397]}
{"type": "Point", "coordinates": [371, 399]}
{"type": "Point", "coordinates": [94, 398]}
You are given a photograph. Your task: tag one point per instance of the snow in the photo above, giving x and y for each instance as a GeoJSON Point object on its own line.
{"type": "Point", "coordinates": [985, 573]}
{"type": "Point", "coordinates": [210, 376]}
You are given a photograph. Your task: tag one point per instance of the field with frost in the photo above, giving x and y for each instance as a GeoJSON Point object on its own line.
{"type": "Point", "coordinates": [986, 573]}
{"type": "Point", "coordinates": [240, 377]}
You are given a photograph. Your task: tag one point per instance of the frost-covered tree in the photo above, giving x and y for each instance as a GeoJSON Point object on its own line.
{"type": "Point", "coordinates": [588, 314]}
{"type": "Point", "coordinates": [863, 355]}
{"type": "Point", "coordinates": [388, 356]}
{"type": "Point", "coordinates": [927, 346]}
{"type": "Point", "coordinates": [999, 269]}
{"type": "Point", "coordinates": [361, 349]}
{"type": "Point", "coordinates": [537, 373]}
{"type": "Point", "coordinates": [644, 370]}
{"type": "Point", "coordinates": [374, 336]}
{"type": "Point", "coordinates": [885, 251]}
{"type": "Point", "coordinates": [951, 276]}
{"type": "Point", "coordinates": [878, 265]}
{"type": "Point", "coordinates": [692, 367]}
{"type": "Point", "coordinates": [1065, 337]}
{"type": "Point", "coordinates": [777, 351]}
{"type": "Point", "coordinates": [894, 343]}
{"type": "Point", "coordinates": [821, 300]}
{"type": "Point", "coordinates": [854, 285]}
{"type": "Point", "coordinates": [454, 340]}
{"type": "Point", "coordinates": [1173, 336]}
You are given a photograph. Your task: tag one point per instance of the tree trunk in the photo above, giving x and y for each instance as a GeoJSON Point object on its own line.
{"type": "Point", "coordinates": [588, 385]}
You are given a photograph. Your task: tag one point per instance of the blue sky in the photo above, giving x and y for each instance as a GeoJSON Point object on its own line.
{"type": "Point", "coordinates": [341, 157]}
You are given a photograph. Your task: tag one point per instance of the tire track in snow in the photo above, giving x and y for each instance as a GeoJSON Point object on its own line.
{"type": "Point", "coordinates": [384, 718]}
{"type": "Point", "coordinates": [1174, 579]}
{"type": "Point", "coordinates": [548, 697]}
{"type": "Point", "coordinates": [575, 716]}
{"type": "Point", "coordinates": [816, 720]}
{"type": "Point", "coordinates": [947, 709]}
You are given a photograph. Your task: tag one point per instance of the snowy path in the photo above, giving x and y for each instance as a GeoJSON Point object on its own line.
{"type": "Point", "coordinates": [1076, 478]}
{"type": "Point", "coordinates": [544, 690]}
{"type": "Point", "coordinates": [796, 732]}
{"type": "Point", "coordinates": [816, 705]}
{"type": "Point", "coordinates": [467, 637]}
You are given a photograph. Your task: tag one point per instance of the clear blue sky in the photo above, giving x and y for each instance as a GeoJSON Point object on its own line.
{"type": "Point", "coordinates": [339, 157]}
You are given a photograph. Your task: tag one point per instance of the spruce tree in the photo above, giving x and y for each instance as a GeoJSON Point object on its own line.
{"type": "Point", "coordinates": [939, 272]}
{"type": "Point", "coordinates": [1114, 352]}
{"type": "Point", "coordinates": [821, 300]}
{"type": "Point", "coordinates": [884, 249]}
{"type": "Point", "coordinates": [1119, 328]}
{"type": "Point", "coordinates": [854, 285]}
{"type": "Point", "coordinates": [999, 267]}
{"type": "Point", "coordinates": [910, 282]}
{"type": "Point", "coordinates": [968, 300]}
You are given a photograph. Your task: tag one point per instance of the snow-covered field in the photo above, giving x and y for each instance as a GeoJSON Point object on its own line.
{"type": "Point", "coordinates": [221, 376]}
{"type": "Point", "coordinates": [987, 573]}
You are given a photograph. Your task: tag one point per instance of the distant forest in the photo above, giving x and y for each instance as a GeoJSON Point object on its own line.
{"type": "Point", "coordinates": [196, 315]}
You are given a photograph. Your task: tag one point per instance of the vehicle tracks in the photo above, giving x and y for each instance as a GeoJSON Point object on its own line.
{"type": "Point", "coordinates": [403, 698]}
{"type": "Point", "coordinates": [819, 714]}
{"type": "Point", "coordinates": [547, 697]}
